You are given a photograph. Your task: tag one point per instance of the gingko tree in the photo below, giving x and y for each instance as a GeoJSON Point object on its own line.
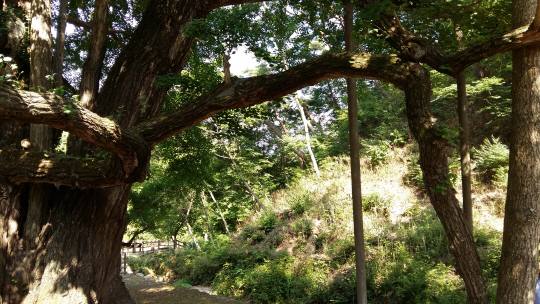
{"type": "Point", "coordinates": [74, 256]}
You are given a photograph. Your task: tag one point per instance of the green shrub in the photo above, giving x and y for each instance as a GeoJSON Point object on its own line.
{"type": "Point", "coordinates": [378, 153]}
{"type": "Point", "coordinates": [268, 221]}
{"type": "Point", "coordinates": [182, 283]}
{"type": "Point", "coordinates": [247, 232]}
{"type": "Point", "coordinates": [143, 263]}
{"type": "Point", "coordinates": [490, 158]}
{"type": "Point", "coordinates": [375, 203]}
{"type": "Point", "coordinates": [414, 176]}
{"type": "Point", "coordinates": [341, 289]}
{"type": "Point", "coordinates": [321, 241]}
{"type": "Point", "coordinates": [500, 178]}
{"type": "Point", "coordinates": [301, 203]}
{"type": "Point", "coordinates": [258, 237]}
{"type": "Point", "coordinates": [280, 281]}
{"type": "Point", "coordinates": [343, 251]}
{"type": "Point", "coordinates": [304, 227]}
{"type": "Point", "coordinates": [425, 237]}
{"type": "Point", "coordinates": [204, 269]}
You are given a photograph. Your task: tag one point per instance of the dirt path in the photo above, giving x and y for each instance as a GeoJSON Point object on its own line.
{"type": "Point", "coordinates": [145, 291]}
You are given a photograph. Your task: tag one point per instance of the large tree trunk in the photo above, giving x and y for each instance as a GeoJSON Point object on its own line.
{"type": "Point", "coordinates": [434, 163]}
{"type": "Point", "coordinates": [519, 258]}
{"type": "Point", "coordinates": [12, 276]}
{"type": "Point", "coordinates": [77, 260]}
{"type": "Point", "coordinates": [76, 254]}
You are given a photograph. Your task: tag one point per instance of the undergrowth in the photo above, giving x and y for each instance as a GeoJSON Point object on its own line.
{"type": "Point", "coordinates": [302, 249]}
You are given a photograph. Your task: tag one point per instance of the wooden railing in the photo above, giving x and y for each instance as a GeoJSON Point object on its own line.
{"type": "Point", "coordinates": [142, 247]}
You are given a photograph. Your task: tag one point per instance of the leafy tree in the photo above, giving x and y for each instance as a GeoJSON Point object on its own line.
{"type": "Point", "coordinates": [87, 220]}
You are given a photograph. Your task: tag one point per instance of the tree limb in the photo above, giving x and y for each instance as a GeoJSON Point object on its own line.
{"type": "Point", "coordinates": [133, 146]}
{"type": "Point", "coordinates": [50, 109]}
{"type": "Point", "coordinates": [88, 26]}
{"type": "Point", "coordinates": [20, 166]}
{"type": "Point", "coordinates": [416, 48]}
{"type": "Point", "coordinates": [255, 90]}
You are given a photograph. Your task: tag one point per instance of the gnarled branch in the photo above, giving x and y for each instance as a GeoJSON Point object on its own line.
{"type": "Point", "coordinates": [52, 110]}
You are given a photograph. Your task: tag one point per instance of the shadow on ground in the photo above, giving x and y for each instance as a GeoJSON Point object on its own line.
{"type": "Point", "coordinates": [146, 291]}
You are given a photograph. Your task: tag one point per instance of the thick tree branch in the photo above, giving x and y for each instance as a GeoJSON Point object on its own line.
{"type": "Point", "coordinates": [133, 146]}
{"type": "Point", "coordinates": [20, 166]}
{"type": "Point", "coordinates": [416, 48]}
{"type": "Point", "coordinates": [255, 90]}
{"type": "Point", "coordinates": [221, 3]}
{"type": "Point", "coordinates": [50, 109]}
{"type": "Point", "coordinates": [88, 26]}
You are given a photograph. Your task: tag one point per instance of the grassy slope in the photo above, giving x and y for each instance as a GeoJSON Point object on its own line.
{"type": "Point", "coordinates": [302, 251]}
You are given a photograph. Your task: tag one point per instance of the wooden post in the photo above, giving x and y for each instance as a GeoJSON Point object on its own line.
{"type": "Point", "coordinates": [125, 262]}
{"type": "Point", "coordinates": [134, 246]}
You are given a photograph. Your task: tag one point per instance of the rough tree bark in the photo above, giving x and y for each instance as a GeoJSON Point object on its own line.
{"type": "Point", "coordinates": [89, 243]}
{"type": "Point", "coordinates": [519, 256]}
{"type": "Point", "coordinates": [434, 163]}
{"type": "Point", "coordinates": [40, 196]}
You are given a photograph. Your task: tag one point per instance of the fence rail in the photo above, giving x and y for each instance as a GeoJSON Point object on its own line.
{"type": "Point", "coordinates": [143, 247]}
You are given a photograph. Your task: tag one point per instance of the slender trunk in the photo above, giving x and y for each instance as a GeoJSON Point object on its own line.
{"type": "Point", "coordinates": [519, 257]}
{"type": "Point", "coordinates": [188, 226]}
{"type": "Point", "coordinates": [206, 214]}
{"type": "Point", "coordinates": [306, 131]}
{"type": "Point", "coordinates": [58, 60]}
{"type": "Point", "coordinates": [464, 151]}
{"type": "Point", "coordinates": [381, 89]}
{"type": "Point", "coordinates": [434, 163]}
{"type": "Point", "coordinates": [226, 68]}
{"type": "Point", "coordinates": [91, 70]}
{"type": "Point", "coordinates": [304, 122]}
{"type": "Point", "coordinates": [220, 213]}
{"type": "Point", "coordinates": [356, 183]}
{"type": "Point", "coordinates": [248, 187]}
{"type": "Point", "coordinates": [40, 196]}
{"type": "Point", "coordinates": [318, 124]}
{"type": "Point", "coordinates": [279, 135]}
{"type": "Point", "coordinates": [299, 153]}
{"type": "Point", "coordinates": [464, 138]}
{"type": "Point", "coordinates": [94, 62]}
{"type": "Point", "coordinates": [41, 136]}
{"type": "Point", "coordinates": [335, 103]}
